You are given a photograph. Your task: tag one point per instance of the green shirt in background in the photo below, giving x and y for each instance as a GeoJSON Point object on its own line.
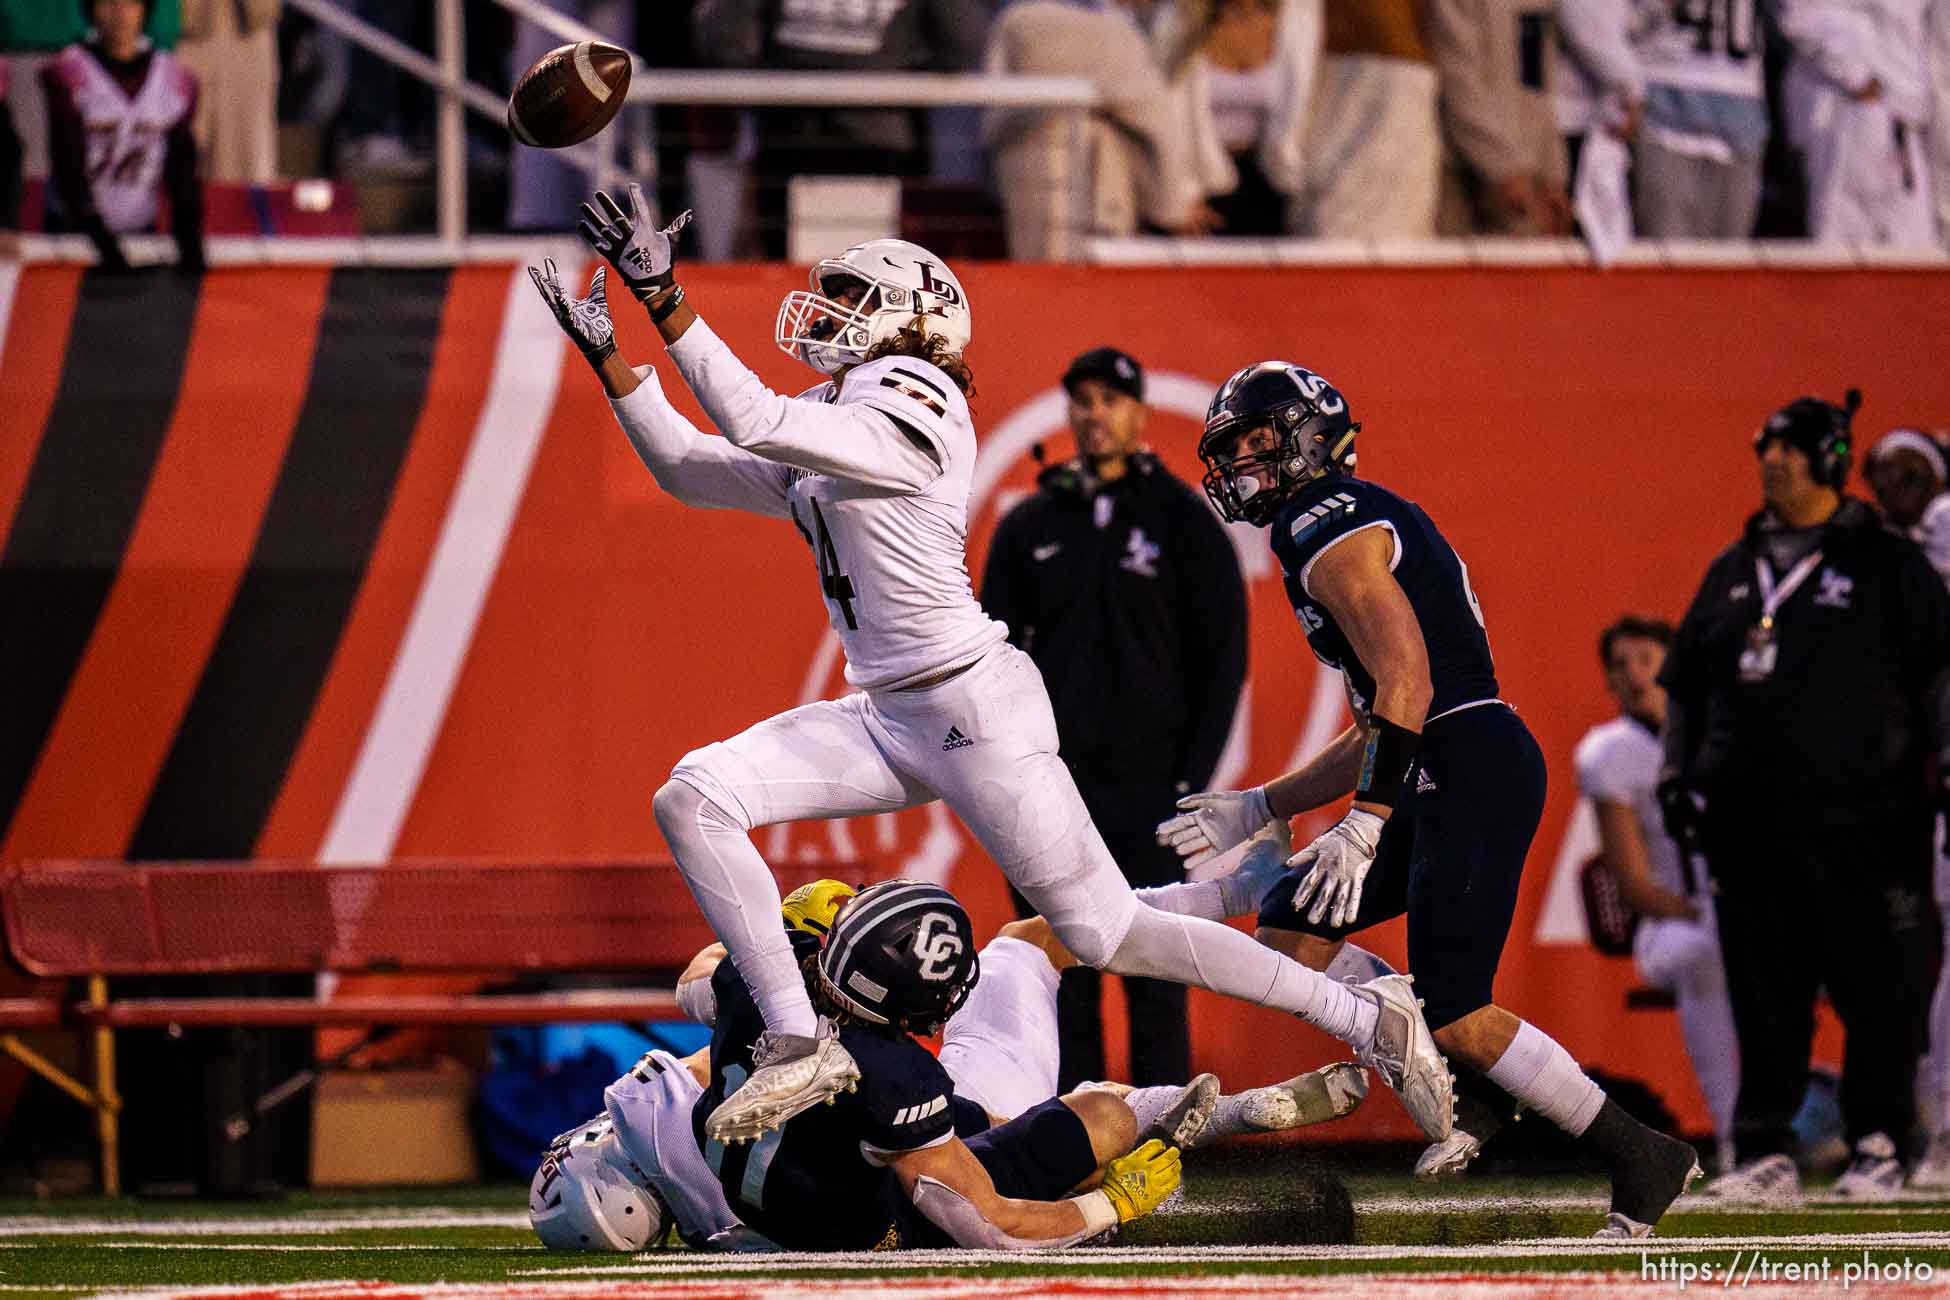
{"type": "Point", "coordinates": [47, 25]}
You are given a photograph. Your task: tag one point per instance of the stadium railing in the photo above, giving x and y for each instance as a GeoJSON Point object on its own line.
{"type": "Point", "coordinates": [98, 920]}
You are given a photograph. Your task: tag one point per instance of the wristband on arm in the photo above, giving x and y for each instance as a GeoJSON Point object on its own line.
{"type": "Point", "coordinates": [1385, 762]}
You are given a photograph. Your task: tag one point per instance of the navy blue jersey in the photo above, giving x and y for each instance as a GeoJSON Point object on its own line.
{"type": "Point", "coordinates": [814, 1184]}
{"type": "Point", "coordinates": [1428, 569]}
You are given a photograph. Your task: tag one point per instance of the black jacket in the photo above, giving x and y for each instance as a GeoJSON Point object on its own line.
{"type": "Point", "coordinates": [1138, 622]}
{"type": "Point", "coordinates": [1842, 730]}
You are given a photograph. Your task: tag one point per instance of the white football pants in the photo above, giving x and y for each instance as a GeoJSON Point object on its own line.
{"type": "Point", "coordinates": [983, 742]}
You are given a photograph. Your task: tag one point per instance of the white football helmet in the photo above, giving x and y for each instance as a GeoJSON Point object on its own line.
{"type": "Point", "coordinates": [588, 1195]}
{"type": "Point", "coordinates": [892, 282]}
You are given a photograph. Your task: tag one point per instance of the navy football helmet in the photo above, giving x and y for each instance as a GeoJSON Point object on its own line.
{"type": "Point", "coordinates": [1313, 431]}
{"type": "Point", "coordinates": [901, 954]}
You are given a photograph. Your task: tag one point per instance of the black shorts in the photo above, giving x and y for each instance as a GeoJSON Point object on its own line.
{"type": "Point", "coordinates": [1451, 857]}
{"type": "Point", "coordinates": [1040, 1155]}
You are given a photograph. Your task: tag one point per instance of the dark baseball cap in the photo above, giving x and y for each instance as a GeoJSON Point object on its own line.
{"type": "Point", "coordinates": [1116, 370]}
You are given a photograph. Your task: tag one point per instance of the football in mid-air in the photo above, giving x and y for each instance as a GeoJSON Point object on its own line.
{"type": "Point", "coordinates": [569, 94]}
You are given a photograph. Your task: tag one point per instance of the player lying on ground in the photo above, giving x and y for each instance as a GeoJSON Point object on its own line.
{"type": "Point", "coordinates": [875, 467]}
{"type": "Point", "coordinates": [615, 1182]}
{"type": "Point", "coordinates": [1448, 784]}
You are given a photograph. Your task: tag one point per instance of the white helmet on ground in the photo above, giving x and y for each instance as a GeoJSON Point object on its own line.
{"type": "Point", "coordinates": [894, 281]}
{"type": "Point", "coordinates": [589, 1196]}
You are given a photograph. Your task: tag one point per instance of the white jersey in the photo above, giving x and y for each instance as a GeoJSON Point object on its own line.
{"type": "Point", "coordinates": [126, 137]}
{"type": "Point", "coordinates": [875, 473]}
{"type": "Point", "coordinates": [650, 1107]}
{"type": "Point", "coordinates": [1712, 45]}
{"type": "Point", "coordinates": [1618, 762]}
{"type": "Point", "coordinates": [1932, 533]}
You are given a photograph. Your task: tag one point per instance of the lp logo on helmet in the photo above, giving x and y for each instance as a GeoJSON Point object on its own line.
{"type": "Point", "coordinates": [1313, 386]}
{"type": "Point", "coordinates": [944, 291]}
{"type": "Point", "coordinates": [936, 944]}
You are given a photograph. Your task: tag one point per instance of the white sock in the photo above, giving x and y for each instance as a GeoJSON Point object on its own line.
{"type": "Point", "coordinates": [1149, 1103]}
{"type": "Point", "coordinates": [1201, 898]}
{"type": "Point", "coordinates": [1542, 1075]}
{"type": "Point", "coordinates": [1209, 955]}
{"type": "Point", "coordinates": [739, 897]}
{"type": "Point", "coordinates": [1237, 893]}
{"type": "Point", "coordinates": [1355, 964]}
{"type": "Point", "coordinates": [1229, 1120]}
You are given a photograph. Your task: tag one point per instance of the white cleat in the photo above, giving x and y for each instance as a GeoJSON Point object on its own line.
{"type": "Point", "coordinates": [1932, 1172]}
{"type": "Point", "coordinates": [1403, 1052]}
{"type": "Point", "coordinates": [1619, 1227]}
{"type": "Point", "coordinates": [1329, 1093]}
{"type": "Point", "coordinates": [1874, 1174]}
{"type": "Point", "coordinates": [1184, 1122]}
{"type": "Point", "coordinates": [1770, 1181]}
{"type": "Point", "coordinates": [790, 1073]}
{"type": "Point", "coordinates": [1449, 1157]}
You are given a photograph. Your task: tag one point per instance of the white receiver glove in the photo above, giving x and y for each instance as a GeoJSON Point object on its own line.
{"type": "Point", "coordinates": [1213, 822]}
{"type": "Point", "coordinates": [1339, 859]}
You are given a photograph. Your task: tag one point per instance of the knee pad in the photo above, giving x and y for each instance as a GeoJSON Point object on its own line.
{"type": "Point", "coordinates": [695, 796]}
{"type": "Point", "coordinates": [1092, 926]}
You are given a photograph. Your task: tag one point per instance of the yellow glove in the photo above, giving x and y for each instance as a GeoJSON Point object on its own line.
{"type": "Point", "coordinates": [811, 908]}
{"type": "Point", "coordinates": [1138, 1183]}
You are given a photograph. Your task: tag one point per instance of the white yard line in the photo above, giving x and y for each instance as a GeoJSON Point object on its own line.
{"type": "Point", "coordinates": [287, 1226]}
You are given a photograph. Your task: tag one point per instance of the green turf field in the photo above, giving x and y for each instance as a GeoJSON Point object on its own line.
{"type": "Point", "coordinates": [1252, 1221]}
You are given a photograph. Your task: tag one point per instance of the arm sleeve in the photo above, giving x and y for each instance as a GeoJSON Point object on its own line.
{"type": "Point", "coordinates": [1004, 596]}
{"type": "Point", "coordinates": [185, 190]}
{"type": "Point", "coordinates": [1594, 33]}
{"type": "Point", "coordinates": [854, 438]}
{"type": "Point", "coordinates": [1476, 110]}
{"type": "Point", "coordinates": [697, 469]}
{"type": "Point", "coordinates": [1215, 649]}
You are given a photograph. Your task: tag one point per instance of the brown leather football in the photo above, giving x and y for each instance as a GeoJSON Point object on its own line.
{"type": "Point", "coordinates": [569, 94]}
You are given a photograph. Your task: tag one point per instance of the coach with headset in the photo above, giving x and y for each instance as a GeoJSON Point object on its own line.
{"type": "Point", "coordinates": [1803, 715]}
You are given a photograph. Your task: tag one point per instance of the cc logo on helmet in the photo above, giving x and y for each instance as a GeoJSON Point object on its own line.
{"type": "Point", "coordinates": [936, 945]}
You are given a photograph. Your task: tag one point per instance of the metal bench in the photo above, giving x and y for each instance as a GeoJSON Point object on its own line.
{"type": "Point", "coordinates": [97, 920]}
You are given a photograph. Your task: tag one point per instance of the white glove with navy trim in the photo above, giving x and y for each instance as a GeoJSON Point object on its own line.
{"type": "Point", "coordinates": [1213, 822]}
{"type": "Point", "coordinates": [1337, 865]}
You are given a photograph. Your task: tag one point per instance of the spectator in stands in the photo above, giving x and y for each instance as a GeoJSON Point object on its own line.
{"type": "Point", "coordinates": [1675, 945]}
{"type": "Point", "coordinates": [232, 48]}
{"type": "Point", "coordinates": [1374, 148]}
{"type": "Point", "coordinates": [1241, 77]}
{"type": "Point", "coordinates": [1686, 90]}
{"type": "Point", "coordinates": [119, 114]}
{"type": "Point", "coordinates": [544, 187]}
{"type": "Point", "coordinates": [9, 172]}
{"type": "Point", "coordinates": [1118, 580]}
{"type": "Point", "coordinates": [1857, 102]}
{"type": "Point", "coordinates": [373, 134]}
{"type": "Point", "coordinates": [845, 36]}
{"type": "Point", "coordinates": [1068, 176]}
{"type": "Point", "coordinates": [1804, 706]}
{"type": "Point", "coordinates": [1938, 54]}
{"type": "Point", "coordinates": [1507, 169]}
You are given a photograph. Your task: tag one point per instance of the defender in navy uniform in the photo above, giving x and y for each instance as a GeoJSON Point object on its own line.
{"type": "Point", "coordinates": [899, 1161]}
{"type": "Point", "coordinates": [1448, 783]}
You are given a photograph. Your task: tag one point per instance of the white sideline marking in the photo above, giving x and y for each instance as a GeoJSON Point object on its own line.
{"type": "Point", "coordinates": [526, 372]}
{"type": "Point", "coordinates": [289, 1226]}
{"type": "Point", "coordinates": [1523, 1248]}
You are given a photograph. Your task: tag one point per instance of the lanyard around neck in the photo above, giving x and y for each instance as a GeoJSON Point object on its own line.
{"type": "Point", "coordinates": [1772, 597]}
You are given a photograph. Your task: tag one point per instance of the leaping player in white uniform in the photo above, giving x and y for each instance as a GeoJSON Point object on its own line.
{"type": "Point", "coordinates": [874, 466]}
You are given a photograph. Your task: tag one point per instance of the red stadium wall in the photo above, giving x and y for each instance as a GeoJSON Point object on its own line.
{"type": "Point", "coordinates": [248, 529]}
